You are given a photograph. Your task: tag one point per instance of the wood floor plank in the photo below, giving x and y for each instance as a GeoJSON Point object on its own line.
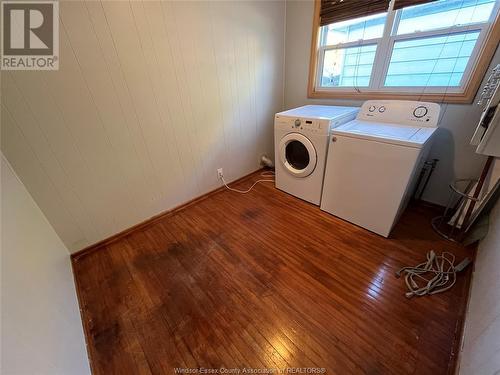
{"type": "Point", "coordinates": [347, 330]}
{"type": "Point", "coordinates": [265, 280]}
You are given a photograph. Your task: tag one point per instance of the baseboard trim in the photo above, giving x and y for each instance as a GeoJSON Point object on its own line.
{"type": "Point", "coordinates": [103, 243]}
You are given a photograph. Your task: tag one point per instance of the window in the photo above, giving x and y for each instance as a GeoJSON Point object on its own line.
{"type": "Point", "coordinates": [436, 51]}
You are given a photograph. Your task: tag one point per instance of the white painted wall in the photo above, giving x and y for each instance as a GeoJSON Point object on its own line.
{"type": "Point", "coordinates": [150, 99]}
{"type": "Point", "coordinates": [451, 144]}
{"type": "Point", "coordinates": [41, 326]}
{"type": "Point", "coordinates": [481, 347]}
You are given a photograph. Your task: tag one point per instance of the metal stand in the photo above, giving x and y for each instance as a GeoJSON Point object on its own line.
{"type": "Point", "coordinates": [450, 225]}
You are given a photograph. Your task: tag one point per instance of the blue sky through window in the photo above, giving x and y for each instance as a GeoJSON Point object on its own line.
{"type": "Point", "coordinates": [432, 61]}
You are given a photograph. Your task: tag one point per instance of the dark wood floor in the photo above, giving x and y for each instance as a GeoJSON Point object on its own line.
{"type": "Point", "coordinates": [265, 280]}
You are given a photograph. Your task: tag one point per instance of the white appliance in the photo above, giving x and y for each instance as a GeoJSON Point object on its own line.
{"type": "Point", "coordinates": [487, 134]}
{"type": "Point", "coordinates": [373, 161]}
{"type": "Point", "coordinates": [301, 144]}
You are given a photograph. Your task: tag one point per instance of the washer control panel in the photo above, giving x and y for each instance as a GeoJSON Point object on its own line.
{"type": "Point", "coordinates": [420, 111]}
{"type": "Point", "coordinates": [403, 112]}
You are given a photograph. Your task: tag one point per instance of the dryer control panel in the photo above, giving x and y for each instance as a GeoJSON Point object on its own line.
{"type": "Point", "coordinates": [400, 112]}
{"type": "Point", "coordinates": [303, 125]}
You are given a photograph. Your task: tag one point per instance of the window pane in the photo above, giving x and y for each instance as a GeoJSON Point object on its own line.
{"type": "Point", "coordinates": [444, 13]}
{"type": "Point", "coordinates": [431, 61]}
{"type": "Point", "coordinates": [368, 27]}
{"type": "Point", "coordinates": [348, 67]}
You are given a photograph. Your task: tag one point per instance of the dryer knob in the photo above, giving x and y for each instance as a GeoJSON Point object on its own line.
{"type": "Point", "coordinates": [297, 123]}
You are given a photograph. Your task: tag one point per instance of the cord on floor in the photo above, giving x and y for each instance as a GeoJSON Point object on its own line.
{"type": "Point", "coordinates": [263, 174]}
{"type": "Point", "coordinates": [438, 274]}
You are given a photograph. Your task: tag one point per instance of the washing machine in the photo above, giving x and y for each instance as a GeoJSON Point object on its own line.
{"type": "Point", "coordinates": [301, 146]}
{"type": "Point", "coordinates": [373, 162]}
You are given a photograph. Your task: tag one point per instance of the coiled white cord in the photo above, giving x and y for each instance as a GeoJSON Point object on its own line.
{"type": "Point", "coordinates": [441, 274]}
{"type": "Point", "coordinates": [263, 174]}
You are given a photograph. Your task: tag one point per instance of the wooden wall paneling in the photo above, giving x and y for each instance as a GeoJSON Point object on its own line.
{"type": "Point", "coordinates": [187, 39]}
{"type": "Point", "coordinates": [269, 76]}
{"type": "Point", "coordinates": [44, 107]}
{"type": "Point", "coordinates": [79, 113]}
{"type": "Point", "coordinates": [237, 135]}
{"type": "Point", "coordinates": [213, 150]}
{"type": "Point", "coordinates": [223, 49]}
{"type": "Point", "coordinates": [243, 79]}
{"type": "Point", "coordinates": [183, 77]}
{"type": "Point", "coordinates": [136, 64]}
{"type": "Point", "coordinates": [95, 73]}
{"type": "Point", "coordinates": [171, 162]}
{"type": "Point", "coordinates": [132, 123]}
{"type": "Point", "coordinates": [16, 107]}
{"type": "Point", "coordinates": [88, 58]}
{"type": "Point", "coordinates": [150, 99]}
{"type": "Point", "coordinates": [16, 147]}
{"type": "Point", "coordinates": [168, 87]}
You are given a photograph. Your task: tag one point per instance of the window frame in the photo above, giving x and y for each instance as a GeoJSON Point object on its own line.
{"type": "Point", "coordinates": [481, 56]}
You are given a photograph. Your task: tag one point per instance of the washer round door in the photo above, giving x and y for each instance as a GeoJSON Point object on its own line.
{"type": "Point", "coordinates": [297, 154]}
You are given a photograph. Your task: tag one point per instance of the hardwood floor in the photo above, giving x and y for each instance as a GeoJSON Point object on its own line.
{"type": "Point", "coordinates": [265, 280]}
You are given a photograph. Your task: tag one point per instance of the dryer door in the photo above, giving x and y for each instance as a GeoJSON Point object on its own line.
{"type": "Point", "coordinates": [297, 154]}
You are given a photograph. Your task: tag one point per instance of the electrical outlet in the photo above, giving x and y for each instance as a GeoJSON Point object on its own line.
{"type": "Point", "coordinates": [220, 174]}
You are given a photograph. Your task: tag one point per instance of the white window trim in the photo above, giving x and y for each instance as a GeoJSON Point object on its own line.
{"type": "Point", "coordinates": [384, 51]}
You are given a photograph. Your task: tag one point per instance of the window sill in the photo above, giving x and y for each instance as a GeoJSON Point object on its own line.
{"type": "Point", "coordinates": [460, 98]}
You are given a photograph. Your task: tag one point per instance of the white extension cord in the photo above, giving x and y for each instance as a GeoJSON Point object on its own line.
{"type": "Point", "coordinates": [441, 274]}
{"type": "Point", "coordinates": [263, 174]}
